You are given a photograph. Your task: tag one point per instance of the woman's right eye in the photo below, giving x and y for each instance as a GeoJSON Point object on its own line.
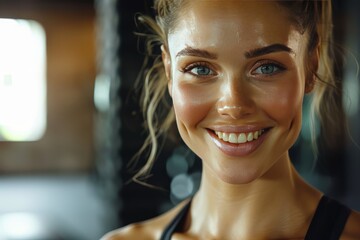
{"type": "Point", "coordinates": [200, 70]}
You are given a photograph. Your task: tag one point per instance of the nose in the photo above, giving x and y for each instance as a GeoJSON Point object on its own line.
{"type": "Point", "coordinates": [236, 100]}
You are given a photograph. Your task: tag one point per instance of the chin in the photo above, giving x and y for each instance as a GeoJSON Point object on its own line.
{"type": "Point", "coordinates": [239, 177]}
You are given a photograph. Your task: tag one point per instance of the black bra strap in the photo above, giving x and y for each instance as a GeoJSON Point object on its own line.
{"type": "Point", "coordinates": [176, 224]}
{"type": "Point", "coordinates": [329, 220]}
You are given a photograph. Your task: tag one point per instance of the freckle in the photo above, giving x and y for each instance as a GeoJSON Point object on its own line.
{"type": "Point", "coordinates": [238, 36]}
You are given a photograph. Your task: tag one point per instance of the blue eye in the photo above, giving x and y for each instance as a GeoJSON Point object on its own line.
{"type": "Point", "coordinates": [201, 71]}
{"type": "Point", "coordinates": [268, 69]}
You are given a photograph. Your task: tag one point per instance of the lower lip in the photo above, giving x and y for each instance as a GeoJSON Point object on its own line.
{"type": "Point", "coordinates": [237, 149]}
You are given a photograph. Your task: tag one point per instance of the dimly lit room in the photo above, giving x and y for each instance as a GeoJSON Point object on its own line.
{"type": "Point", "coordinates": [71, 124]}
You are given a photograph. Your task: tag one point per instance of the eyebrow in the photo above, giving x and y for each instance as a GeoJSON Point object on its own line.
{"type": "Point", "coordinates": [268, 49]}
{"type": "Point", "coordinates": [195, 52]}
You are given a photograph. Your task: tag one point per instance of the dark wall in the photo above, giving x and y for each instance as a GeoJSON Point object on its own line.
{"type": "Point", "coordinates": [138, 202]}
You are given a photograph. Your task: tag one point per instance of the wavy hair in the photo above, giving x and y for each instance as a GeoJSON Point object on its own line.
{"type": "Point", "coordinates": [309, 16]}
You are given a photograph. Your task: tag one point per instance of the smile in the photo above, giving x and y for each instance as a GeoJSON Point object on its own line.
{"type": "Point", "coordinates": [238, 143]}
{"type": "Point", "coordinates": [239, 137]}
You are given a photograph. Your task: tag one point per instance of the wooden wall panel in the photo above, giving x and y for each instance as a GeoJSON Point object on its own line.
{"type": "Point", "coordinates": [71, 68]}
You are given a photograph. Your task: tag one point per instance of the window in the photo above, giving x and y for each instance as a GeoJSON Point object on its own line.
{"type": "Point", "coordinates": [22, 80]}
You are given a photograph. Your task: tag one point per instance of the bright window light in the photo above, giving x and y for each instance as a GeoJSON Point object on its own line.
{"type": "Point", "coordinates": [20, 226]}
{"type": "Point", "coordinates": [22, 80]}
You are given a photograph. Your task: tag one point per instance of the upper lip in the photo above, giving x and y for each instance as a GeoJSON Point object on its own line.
{"type": "Point", "coordinates": [237, 128]}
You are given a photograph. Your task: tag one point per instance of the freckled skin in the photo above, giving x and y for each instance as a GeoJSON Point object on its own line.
{"type": "Point", "coordinates": [273, 102]}
{"type": "Point", "coordinates": [258, 195]}
{"type": "Point", "coordinates": [235, 190]}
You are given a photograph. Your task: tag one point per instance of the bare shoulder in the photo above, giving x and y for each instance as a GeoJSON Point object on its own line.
{"type": "Point", "coordinates": [128, 232]}
{"type": "Point", "coordinates": [148, 230]}
{"type": "Point", "coordinates": [352, 230]}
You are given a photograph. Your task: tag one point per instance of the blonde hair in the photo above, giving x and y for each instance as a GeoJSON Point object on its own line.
{"type": "Point", "coordinates": [310, 16]}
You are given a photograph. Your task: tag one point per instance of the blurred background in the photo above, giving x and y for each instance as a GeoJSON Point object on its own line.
{"type": "Point", "coordinates": [70, 122]}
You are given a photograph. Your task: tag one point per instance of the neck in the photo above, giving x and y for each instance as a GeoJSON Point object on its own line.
{"type": "Point", "coordinates": [242, 210]}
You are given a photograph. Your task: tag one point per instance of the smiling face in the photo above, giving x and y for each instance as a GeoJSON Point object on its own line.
{"type": "Point", "coordinates": [237, 80]}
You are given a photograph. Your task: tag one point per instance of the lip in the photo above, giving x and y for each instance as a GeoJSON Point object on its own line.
{"type": "Point", "coordinates": [237, 149]}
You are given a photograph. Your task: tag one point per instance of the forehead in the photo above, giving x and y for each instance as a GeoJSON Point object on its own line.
{"type": "Point", "coordinates": [214, 23]}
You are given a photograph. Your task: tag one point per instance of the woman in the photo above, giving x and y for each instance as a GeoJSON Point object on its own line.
{"type": "Point", "coordinates": [237, 72]}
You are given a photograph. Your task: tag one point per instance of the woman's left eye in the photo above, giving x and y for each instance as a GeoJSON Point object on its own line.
{"type": "Point", "coordinates": [268, 69]}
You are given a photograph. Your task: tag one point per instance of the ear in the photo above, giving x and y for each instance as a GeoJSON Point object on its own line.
{"type": "Point", "coordinates": [167, 65]}
{"type": "Point", "coordinates": [312, 68]}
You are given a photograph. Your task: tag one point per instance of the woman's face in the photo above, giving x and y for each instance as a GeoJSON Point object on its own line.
{"type": "Point", "coordinates": [237, 81]}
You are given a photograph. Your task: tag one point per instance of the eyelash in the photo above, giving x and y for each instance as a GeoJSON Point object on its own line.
{"type": "Point", "coordinates": [261, 64]}
{"type": "Point", "coordinates": [191, 67]}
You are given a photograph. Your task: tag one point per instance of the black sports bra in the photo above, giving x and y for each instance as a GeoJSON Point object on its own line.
{"type": "Point", "coordinates": [328, 222]}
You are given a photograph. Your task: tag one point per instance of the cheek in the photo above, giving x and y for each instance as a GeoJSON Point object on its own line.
{"type": "Point", "coordinates": [284, 103]}
{"type": "Point", "coordinates": [191, 103]}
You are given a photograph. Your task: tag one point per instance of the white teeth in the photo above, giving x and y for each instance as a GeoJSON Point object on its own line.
{"type": "Point", "coordinates": [250, 137]}
{"type": "Point", "coordinates": [242, 138]}
{"type": "Point", "coordinates": [239, 137]}
{"type": "Point", "coordinates": [225, 137]}
{"type": "Point", "coordinates": [232, 138]}
{"type": "Point", "coordinates": [256, 135]}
